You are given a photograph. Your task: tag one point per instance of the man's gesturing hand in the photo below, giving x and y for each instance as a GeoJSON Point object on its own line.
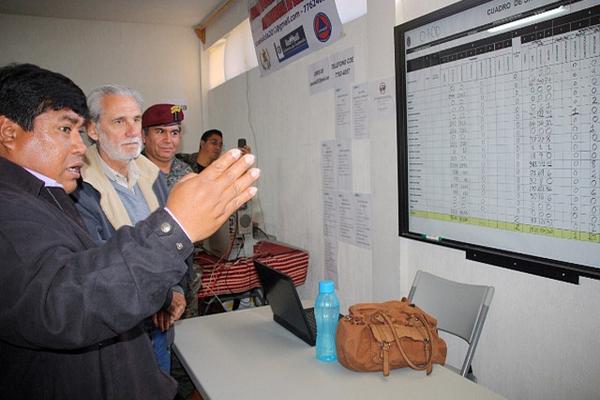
{"type": "Point", "coordinates": [203, 202]}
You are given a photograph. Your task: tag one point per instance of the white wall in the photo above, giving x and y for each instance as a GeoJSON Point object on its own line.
{"type": "Point", "coordinates": [160, 61]}
{"type": "Point", "coordinates": [542, 337]}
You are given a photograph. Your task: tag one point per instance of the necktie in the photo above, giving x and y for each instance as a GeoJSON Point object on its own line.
{"type": "Point", "coordinates": [58, 197]}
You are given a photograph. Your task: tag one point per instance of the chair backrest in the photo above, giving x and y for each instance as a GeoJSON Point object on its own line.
{"type": "Point", "coordinates": [460, 308]}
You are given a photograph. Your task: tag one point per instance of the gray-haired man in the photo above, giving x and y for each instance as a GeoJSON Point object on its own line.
{"type": "Point", "coordinates": [120, 188]}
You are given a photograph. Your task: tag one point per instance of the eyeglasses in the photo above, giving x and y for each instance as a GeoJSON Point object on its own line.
{"type": "Point", "coordinates": [215, 142]}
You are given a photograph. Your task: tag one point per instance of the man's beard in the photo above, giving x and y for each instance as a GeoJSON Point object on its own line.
{"type": "Point", "coordinates": [117, 153]}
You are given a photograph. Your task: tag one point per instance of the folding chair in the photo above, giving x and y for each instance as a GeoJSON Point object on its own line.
{"type": "Point", "coordinates": [460, 309]}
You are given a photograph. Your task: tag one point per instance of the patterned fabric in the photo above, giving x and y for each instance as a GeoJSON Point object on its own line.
{"type": "Point", "coordinates": [179, 169]}
{"type": "Point", "coordinates": [185, 387]}
{"type": "Point", "coordinates": [190, 159]}
{"type": "Point", "coordinates": [239, 276]}
{"type": "Point", "coordinates": [194, 285]}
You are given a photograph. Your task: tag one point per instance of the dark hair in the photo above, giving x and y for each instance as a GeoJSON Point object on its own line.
{"type": "Point", "coordinates": [211, 132]}
{"type": "Point", "coordinates": [27, 91]}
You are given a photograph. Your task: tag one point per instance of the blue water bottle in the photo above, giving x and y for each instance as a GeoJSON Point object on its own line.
{"type": "Point", "coordinates": [327, 310]}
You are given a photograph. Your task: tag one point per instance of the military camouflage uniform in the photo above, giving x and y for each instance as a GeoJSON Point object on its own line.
{"type": "Point", "coordinates": [179, 169]}
{"type": "Point", "coordinates": [190, 159]}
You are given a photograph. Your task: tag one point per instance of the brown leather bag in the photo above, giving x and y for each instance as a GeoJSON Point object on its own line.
{"type": "Point", "coordinates": [394, 334]}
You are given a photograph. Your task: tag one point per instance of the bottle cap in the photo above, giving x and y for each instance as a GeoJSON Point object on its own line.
{"type": "Point", "coordinates": [326, 286]}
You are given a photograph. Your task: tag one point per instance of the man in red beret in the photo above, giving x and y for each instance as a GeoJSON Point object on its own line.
{"type": "Point", "coordinates": [161, 124]}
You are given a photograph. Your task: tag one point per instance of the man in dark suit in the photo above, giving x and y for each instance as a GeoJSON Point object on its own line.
{"type": "Point", "coordinates": [70, 311]}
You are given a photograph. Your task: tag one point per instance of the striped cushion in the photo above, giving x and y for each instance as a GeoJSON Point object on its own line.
{"type": "Point", "coordinates": [238, 276]}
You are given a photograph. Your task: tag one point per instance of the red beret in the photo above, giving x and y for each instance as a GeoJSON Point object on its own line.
{"type": "Point", "coordinates": [162, 114]}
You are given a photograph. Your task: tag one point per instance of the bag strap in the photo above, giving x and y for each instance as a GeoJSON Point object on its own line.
{"type": "Point", "coordinates": [428, 345]}
{"type": "Point", "coordinates": [384, 343]}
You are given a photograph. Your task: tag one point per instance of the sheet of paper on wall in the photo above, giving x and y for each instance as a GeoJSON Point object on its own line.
{"type": "Point", "coordinates": [362, 219]}
{"type": "Point", "coordinates": [361, 167]}
{"type": "Point", "coordinates": [342, 67]}
{"type": "Point", "coordinates": [330, 258]}
{"type": "Point", "coordinates": [383, 98]}
{"type": "Point", "coordinates": [343, 165]}
{"type": "Point", "coordinates": [343, 113]}
{"type": "Point", "coordinates": [328, 168]}
{"type": "Point", "coordinates": [347, 227]}
{"type": "Point", "coordinates": [330, 215]}
{"type": "Point", "coordinates": [360, 111]}
{"type": "Point", "coordinates": [285, 31]}
{"type": "Point", "coordinates": [319, 76]}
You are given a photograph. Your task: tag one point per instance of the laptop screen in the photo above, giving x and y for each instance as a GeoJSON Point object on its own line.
{"type": "Point", "coordinates": [284, 301]}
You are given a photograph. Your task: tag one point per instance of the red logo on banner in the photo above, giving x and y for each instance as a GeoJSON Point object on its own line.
{"type": "Point", "coordinates": [322, 27]}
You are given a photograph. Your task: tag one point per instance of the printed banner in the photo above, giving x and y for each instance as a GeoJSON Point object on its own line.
{"type": "Point", "coordinates": [286, 30]}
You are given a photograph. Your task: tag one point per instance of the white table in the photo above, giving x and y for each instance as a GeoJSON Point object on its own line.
{"type": "Point", "coordinates": [246, 355]}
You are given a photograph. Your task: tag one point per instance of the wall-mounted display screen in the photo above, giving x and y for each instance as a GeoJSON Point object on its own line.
{"type": "Point", "coordinates": [499, 132]}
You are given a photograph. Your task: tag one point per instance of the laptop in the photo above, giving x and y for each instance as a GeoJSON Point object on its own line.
{"type": "Point", "coordinates": [282, 296]}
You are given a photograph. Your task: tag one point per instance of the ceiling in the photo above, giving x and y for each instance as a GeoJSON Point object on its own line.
{"type": "Point", "coordinates": [186, 13]}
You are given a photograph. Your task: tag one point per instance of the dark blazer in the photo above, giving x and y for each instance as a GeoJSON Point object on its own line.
{"type": "Point", "coordinates": [87, 202]}
{"type": "Point", "coordinates": [70, 311]}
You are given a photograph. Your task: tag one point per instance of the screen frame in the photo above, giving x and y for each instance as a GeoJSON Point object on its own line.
{"type": "Point", "coordinates": [549, 268]}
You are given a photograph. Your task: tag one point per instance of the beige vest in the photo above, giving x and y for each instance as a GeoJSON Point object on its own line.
{"type": "Point", "coordinates": [110, 202]}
